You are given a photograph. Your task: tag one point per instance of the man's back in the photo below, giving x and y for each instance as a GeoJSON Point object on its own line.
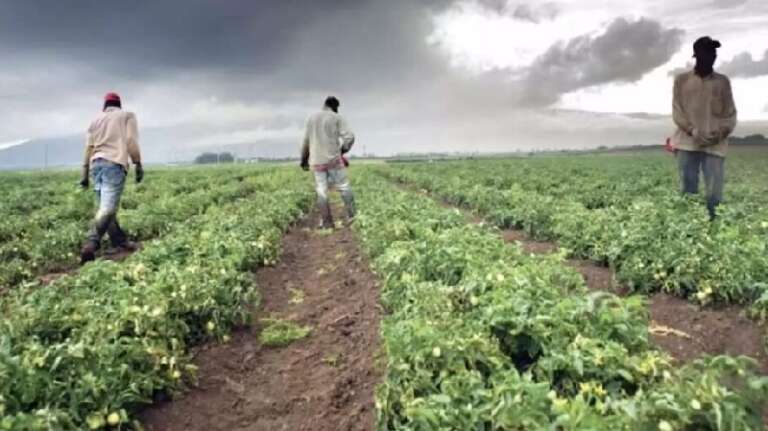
{"type": "Point", "coordinates": [113, 136]}
{"type": "Point", "coordinates": [326, 132]}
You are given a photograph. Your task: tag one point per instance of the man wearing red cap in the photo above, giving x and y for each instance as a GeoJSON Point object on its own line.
{"type": "Point", "coordinates": [705, 115]}
{"type": "Point", "coordinates": [113, 142]}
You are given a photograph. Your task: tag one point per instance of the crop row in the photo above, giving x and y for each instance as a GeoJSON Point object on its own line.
{"type": "Point", "coordinates": [48, 239]}
{"type": "Point", "coordinates": [87, 350]}
{"type": "Point", "coordinates": [660, 242]}
{"type": "Point", "coordinates": [598, 182]}
{"type": "Point", "coordinates": [482, 336]}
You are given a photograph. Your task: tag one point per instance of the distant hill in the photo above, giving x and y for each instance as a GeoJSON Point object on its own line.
{"type": "Point", "coordinates": [38, 153]}
{"type": "Point", "coordinates": [68, 151]}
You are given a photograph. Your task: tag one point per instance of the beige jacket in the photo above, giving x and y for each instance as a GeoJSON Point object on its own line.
{"type": "Point", "coordinates": [113, 136]}
{"type": "Point", "coordinates": [704, 112]}
{"type": "Point", "coordinates": [324, 137]}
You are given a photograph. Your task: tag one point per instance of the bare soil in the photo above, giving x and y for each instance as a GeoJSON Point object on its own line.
{"type": "Point", "coordinates": [323, 382]}
{"type": "Point", "coordinates": [712, 331]}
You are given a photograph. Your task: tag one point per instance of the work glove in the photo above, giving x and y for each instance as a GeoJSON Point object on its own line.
{"type": "Point", "coordinates": [702, 139]}
{"type": "Point", "coordinates": [139, 173]}
{"type": "Point", "coordinates": [84, 181]}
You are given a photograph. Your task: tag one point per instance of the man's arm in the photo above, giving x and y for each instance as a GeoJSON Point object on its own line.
{"type": "Point", "coordinates": [346, 135]}
{"type": "Point", "coordinates": [729, 120]}
{"type": "Point", "coordinates": [132, 138]}
{"type": "Point", "coordinates": [679, 116]}
{"type": "Point", "coordinates": [85, 171]}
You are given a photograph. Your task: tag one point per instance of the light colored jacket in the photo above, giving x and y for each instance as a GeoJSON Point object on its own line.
{"type": "Point", "coordinates": [113, 136]}
{"type": "Point", "coordinates": [704, 112]}
{"type": "Point", "coordinates": [326, 133]}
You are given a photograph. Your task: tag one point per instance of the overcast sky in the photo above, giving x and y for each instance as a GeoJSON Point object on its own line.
{"type": "Point", "coordinates": [420, 75]}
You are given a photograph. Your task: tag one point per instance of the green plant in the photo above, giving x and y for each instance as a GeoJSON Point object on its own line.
{"type": "Point", "coordinates": [280, 333]}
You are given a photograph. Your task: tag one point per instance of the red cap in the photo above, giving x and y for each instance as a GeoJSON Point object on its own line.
{"type": "Point", "coordinates": [112, 97]}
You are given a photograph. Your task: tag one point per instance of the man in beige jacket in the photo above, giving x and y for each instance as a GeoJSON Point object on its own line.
{"type": "Point", "coordinates": [113, 142]}
{"type": "Point", "coordinates": [705, 115]}
{"type": "Point", "coordinates": [326, 139]}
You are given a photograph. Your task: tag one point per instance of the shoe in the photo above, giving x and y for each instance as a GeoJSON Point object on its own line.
{"type": "Point", "coordinates": [128, 246]}
{"type": "Point", "coordinates": [326, 221]}
{"type": "Point", "coordinates": [88, 252]}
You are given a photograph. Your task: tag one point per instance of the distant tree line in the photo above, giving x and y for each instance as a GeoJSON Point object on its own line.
{"type": "Point", "coordinates": [757, 139]}
{"type": "Point", "coordinates": [209, 158]}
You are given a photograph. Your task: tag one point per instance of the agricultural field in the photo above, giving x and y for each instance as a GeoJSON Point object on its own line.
{"type": "Point", "coordinates": [420, 315]}
{"type": "Point", "coordinates": [624, 212]}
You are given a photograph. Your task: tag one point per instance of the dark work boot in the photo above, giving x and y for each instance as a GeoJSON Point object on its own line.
{"type": "Point", "coordinates": [116, 235]}
{"type": "Point", "coordinates": [92, 244]}
{"type": "Point", "coordinates": [326, 216]}
{"type": "Point", "coordinates": [349, 205]}
{"type": "Point", "coordinates": [88, 252]}
{"type": "Point", "coordinates": [119, 239]}
{"type": "Point", "coordinates": [712, 209]}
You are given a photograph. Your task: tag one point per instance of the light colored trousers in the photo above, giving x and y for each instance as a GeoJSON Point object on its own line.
{"type": "Point", "coordinates": [338, 179]}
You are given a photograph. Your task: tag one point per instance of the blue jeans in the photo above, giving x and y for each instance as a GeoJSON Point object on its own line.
{"type": "Point", "coordinates": [108, 183]}
{"type": "Point", "coordinates": [334, 178]}
{"type": "Point", "coordinates": [713, 167]}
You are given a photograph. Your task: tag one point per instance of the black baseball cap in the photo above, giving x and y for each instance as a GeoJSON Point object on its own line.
{"type": "Point", "coordinates": [705, 43]}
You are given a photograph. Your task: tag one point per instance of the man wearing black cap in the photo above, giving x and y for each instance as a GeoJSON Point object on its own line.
{"type": "Point", "coordinates": [326, 139]}
{"type": "Point", "coordinates": [705, 114]}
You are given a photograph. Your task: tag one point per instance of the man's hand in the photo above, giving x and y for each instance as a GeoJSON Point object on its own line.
{"type": "Point", "coordinates": [711, 139]}
{"type": "Point", "coordinates": [84, 181]}
{"type": "Point", "coordinates": [139, 173]}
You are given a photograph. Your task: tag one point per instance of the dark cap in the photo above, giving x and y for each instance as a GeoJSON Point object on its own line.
{"type": "Point", "coordinates": [704, 44]}
{"type": "Point", "coordinates": [333, 103]}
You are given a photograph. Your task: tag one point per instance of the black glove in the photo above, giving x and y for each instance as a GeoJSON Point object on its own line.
{"type": "Point", "coordinates": [304, 164]}
{"type": "Point", "coordinates": [84, 181]}
{"type": "Point", "coordinates": [139, 173]}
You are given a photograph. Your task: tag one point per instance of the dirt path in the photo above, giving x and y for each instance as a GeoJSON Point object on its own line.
{"type": "Point", "coordinates": [683, 329]}
{"type": "Point", "coordinates": [323, 382]}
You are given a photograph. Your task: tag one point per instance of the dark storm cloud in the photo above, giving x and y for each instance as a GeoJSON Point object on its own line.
{"type": "Point", "coordinates": [139, 37]}
{"type": "Point", "coordinates": [158, 37]}
{"type": "Point", "coordinates": [744, 66]}
{"type": "Point", "coordinates": [624, 53]}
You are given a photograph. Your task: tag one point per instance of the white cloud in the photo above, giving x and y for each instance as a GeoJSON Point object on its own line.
{"type": "Point", "coordinates": [480, 38]}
